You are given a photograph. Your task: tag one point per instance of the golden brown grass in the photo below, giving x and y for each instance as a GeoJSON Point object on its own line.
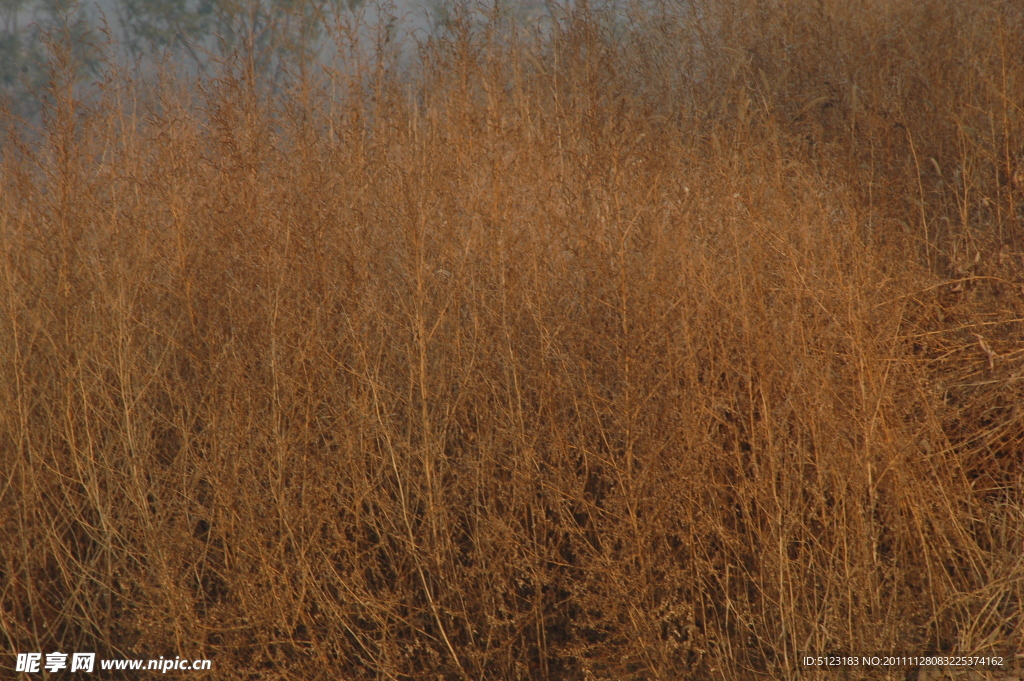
{"type": "Point", "coordinates": [664, 349]}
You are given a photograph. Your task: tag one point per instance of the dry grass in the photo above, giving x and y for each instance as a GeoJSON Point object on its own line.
{"type": "Point", "coordinates": [653, 350]}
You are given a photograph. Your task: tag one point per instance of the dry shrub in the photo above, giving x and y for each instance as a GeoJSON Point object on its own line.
{"type": "Point", "coordinates": [666, 345]}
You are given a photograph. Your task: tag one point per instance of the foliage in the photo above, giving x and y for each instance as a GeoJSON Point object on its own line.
{"type": "Point", "coordinates": [28, 50]}
{"type": "Point", "coordinates": [660, 346]}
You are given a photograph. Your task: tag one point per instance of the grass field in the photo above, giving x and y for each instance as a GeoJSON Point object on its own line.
{"type": "Point", "coordinates": [671, 345]}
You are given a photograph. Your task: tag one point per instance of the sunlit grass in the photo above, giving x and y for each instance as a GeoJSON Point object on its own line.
{"type": "Point", "coordinates": [669, 347]}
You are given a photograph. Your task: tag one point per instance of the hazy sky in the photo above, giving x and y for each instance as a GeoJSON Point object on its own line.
{"type": "Point", "coordinates": [415, 16]}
